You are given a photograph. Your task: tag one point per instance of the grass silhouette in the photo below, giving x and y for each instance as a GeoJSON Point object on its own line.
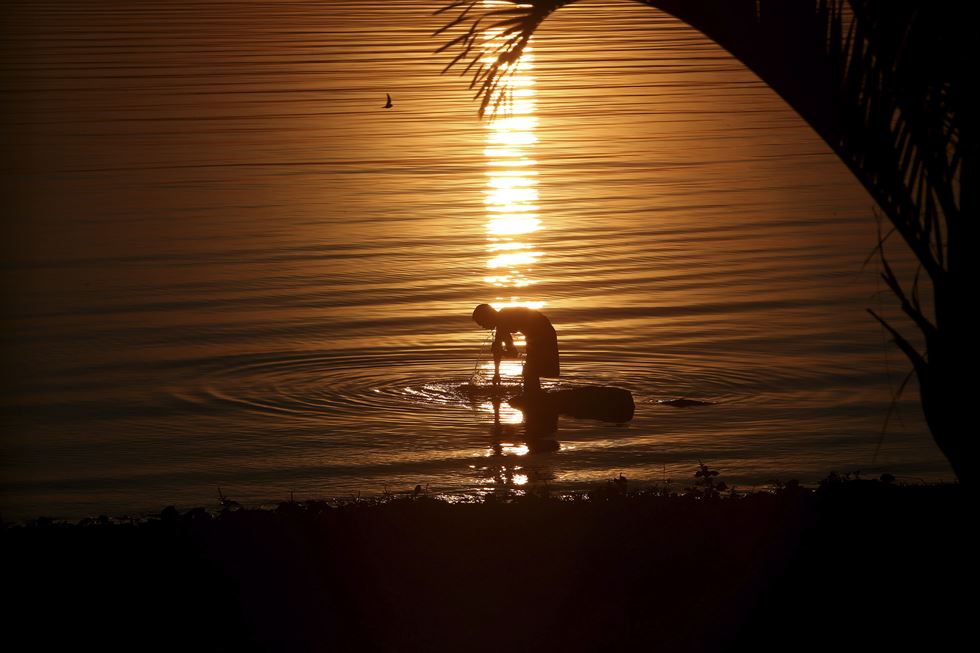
{"type": "Point", "coordinates": [851, 563]}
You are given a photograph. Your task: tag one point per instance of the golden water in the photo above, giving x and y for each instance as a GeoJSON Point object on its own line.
{"type": "Point", "coordinates": [226, 264]}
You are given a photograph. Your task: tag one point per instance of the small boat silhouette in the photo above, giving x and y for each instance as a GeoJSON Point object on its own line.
{"type": "Point", "coordinates": [388, 104]}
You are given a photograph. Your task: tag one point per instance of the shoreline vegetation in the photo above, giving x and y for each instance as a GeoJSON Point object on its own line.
{"type": "Point", "coordinates": [848, 564]}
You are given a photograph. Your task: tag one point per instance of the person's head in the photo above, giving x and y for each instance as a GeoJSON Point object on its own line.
{"type": "Point", "coordinates": [485, 315]}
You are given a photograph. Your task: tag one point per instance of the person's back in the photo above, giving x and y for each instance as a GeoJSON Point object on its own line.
{"type": "Point", "coordinates": [533, 324]}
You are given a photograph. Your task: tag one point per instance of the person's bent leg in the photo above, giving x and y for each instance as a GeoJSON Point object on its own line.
{"type": "Point", "coordinates": [532, 382]}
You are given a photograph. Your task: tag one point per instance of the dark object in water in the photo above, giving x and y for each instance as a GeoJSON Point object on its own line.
{"type": "Point", "coordinates": [593, 402]}
{"type": "Point", "coordinates": [475, 392]}
{"type": "Point", "coordinates": [684, 403]}
{"type": "Point", "coordinates": [486, 390]}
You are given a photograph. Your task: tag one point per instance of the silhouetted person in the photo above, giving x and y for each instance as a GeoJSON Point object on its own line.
{"type": "Point", "coordinates": [542, 341]}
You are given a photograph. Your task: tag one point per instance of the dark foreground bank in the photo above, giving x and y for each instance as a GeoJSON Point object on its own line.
{"type": "Point", "coordinates": [852, 565]}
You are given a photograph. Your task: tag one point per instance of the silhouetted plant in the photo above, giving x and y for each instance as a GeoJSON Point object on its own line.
{"type": "Point", "coordinates": [225, 503]}
{"type": "Point", "coordinates": [885, 84]}
{"type": "Point", "coordinates": [621, 484]}
{"type": "Point", "coordinates": [834, 479]}
{"type": "Point", "coordinates": [790, 487]}
{"type": "Point", "coordinates": [706, 483]}
{"type": "Point", "coordinates": [613, 489]}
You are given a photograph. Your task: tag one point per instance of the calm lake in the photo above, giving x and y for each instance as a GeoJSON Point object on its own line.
{"type": "Point", "coordinates": [225, 264]}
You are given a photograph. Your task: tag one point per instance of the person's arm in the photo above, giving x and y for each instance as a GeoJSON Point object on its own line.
{"type": "Point", "coordinates": [503, 343]}
{"type": "Point", "coordinates": [509, 347]}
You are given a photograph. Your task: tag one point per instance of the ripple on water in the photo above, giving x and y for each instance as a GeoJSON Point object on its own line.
{"type": "Point", "coordinates": [332, 385]}
{"type": "Point", "coordinates": [398, 384]}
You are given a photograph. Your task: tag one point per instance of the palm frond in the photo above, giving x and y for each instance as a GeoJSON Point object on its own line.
{"type": "Point", "coordinates": [492, 41]}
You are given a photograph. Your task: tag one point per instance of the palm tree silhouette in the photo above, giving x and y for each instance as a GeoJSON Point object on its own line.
{"type": "Point", "coordinates": [884, 83]}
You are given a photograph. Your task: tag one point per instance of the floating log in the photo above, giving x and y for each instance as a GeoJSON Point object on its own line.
{"type": "Point", "coordinates": [592, 402]}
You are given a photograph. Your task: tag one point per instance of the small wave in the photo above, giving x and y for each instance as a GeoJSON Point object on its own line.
{"type": "Point", "coordinates": [333, 384]}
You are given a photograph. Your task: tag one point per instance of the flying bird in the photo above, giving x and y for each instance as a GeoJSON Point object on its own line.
{"type": "Point", "coordinates": [388, 104]}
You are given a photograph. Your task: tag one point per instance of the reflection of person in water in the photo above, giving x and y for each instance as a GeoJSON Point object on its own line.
{"type": "Point", "coordinates": [542, 341]}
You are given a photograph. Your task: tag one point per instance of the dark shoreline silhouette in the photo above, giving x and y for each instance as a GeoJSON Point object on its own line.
{"type": "Point", "coordinates": [851, 564]}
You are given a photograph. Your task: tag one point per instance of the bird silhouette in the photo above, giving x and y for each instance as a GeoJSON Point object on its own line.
{"type": "Point", "coordinates": [388, 104]}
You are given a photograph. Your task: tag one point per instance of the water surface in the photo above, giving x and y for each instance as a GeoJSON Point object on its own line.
{"type": "Point", "coordinates": [226, 265]}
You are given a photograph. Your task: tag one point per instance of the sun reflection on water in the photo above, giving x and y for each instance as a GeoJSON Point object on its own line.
{"type": "Point", "coordinates": [511, 194]}
{"type": "Point", "coordinates": [513, 253]}
{"type": "Point", "coordinates": [508, 414]}
{"type": "Point", "coordinates": [508, 449]}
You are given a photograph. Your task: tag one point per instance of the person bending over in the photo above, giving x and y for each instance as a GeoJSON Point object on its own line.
{"type": "Point", "coordinates": [542, 341]}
